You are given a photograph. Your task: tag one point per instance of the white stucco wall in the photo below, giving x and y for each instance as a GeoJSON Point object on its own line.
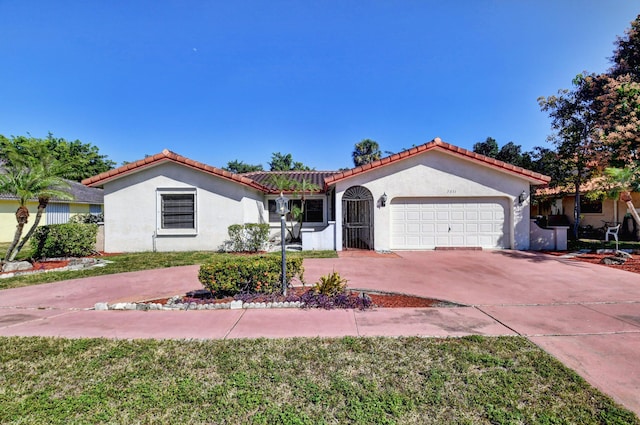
{"type": "Point", "coordinates": [131, 205]}
{"type": "Point", "coordinates": [440, 175]}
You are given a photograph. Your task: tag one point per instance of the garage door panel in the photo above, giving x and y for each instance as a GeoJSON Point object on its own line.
{"type": "Point", "coordinates": [457, 215]}
{"type": "Point", "coordinates": [427, 215]}
{"type": "Point", "coordinates": [456, 227]}
{"type": "Point", "coordinates": [426, 223]}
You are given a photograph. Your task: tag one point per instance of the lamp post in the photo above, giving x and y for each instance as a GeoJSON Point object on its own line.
{"type": "Point", "coordinates": [282, 208]}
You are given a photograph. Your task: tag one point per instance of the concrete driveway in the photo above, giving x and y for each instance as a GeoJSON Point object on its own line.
{"type": "Point", "coordinates": [587, 316]}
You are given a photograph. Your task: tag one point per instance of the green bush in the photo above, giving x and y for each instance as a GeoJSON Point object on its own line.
{"type": "Point", "coordinates": [64, 240]}
{"type": "Point", "coordinates": [256, 235]}
{"type": "Point", "coordinates": [249, 237]}
{"type": "Point", "coordinates": [253, 274]}
{"type": "Point", "coordinates": [331, 285]}
{"type": "Point", "coordinates": [236, 237]}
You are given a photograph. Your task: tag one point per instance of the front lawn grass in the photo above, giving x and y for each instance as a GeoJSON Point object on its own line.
{"type": "Point", "coordinates": [140, 261]}
{"type": "Point", "coordinates": [471, 380]}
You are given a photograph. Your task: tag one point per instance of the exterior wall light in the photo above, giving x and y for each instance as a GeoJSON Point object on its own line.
{"type": "Point", "coordinates": [383, 200]}
{"type": "Point", "coordinates": [522, 197]}
{"type": "Point", "coordinates": [282, 208]}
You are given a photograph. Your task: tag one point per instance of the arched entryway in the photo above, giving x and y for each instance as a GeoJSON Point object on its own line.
{"type": "Point", "coordinates": [357, 218]}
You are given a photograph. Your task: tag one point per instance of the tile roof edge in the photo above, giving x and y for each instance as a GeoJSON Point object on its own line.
{"type": "Point", "coordinates": [437, 143]}
{"type": "Point", "coordinates": [167, 155]}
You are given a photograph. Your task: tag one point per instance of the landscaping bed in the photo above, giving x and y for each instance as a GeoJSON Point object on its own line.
{"type": "Point", "coordinates": [297, 297]}
{"type": "Point", "coordinates": [631, 264]}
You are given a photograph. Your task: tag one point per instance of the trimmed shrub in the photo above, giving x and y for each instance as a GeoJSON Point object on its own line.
{"type": "Point", "coordinates": [236, 237]}
{"type": "Point", "coordinates": [64, 240]}
{"type": "Point", "coordinates": [256, 235]}
{"type": "Point", "coordinates": [249, 237]}
{"type": "Point", "coordinates": [259, 274]}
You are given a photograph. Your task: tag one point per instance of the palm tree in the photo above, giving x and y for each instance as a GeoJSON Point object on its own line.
{"type": "Point", "coordinates": [30, 178]}
{"type": "Point", "coordinates": [365, 152]}
{"type": "Point", "coordinates": [298, 188]}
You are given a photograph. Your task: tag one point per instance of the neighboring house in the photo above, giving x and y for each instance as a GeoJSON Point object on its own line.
{"type": "Point", "coordinates": [430, 196]}
{"type": "Point", "coordinates": [559, 203]}
{"type": "Point", "coordinates": [85, 200]}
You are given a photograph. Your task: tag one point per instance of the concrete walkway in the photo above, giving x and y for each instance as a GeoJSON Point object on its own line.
{"type": "Point", "coordinates": [587, 316]}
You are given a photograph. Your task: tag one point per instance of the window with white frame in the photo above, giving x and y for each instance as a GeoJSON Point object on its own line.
{"type": "Point", "coordinates": [177, 211]}
{"type": "Point", "coordinates": [313, 210]}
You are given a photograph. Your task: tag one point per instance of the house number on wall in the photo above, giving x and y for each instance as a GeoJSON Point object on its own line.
{"type": "Point", "coordinates": [450, 191]}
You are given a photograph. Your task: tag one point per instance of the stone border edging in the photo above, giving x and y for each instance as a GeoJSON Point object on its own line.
{"type": "Point", "coordinates": [176, 306]}
{"type": "Point", "coordinates": [74, 264]}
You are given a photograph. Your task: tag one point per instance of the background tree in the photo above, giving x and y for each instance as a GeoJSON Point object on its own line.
{"type": "Point", "coordinates": [240, 167]}
{"type": "Point", "coordinates": [510, 153]}
{"type": "Point", "coordinates": [83, 159]}
{"type": "Point", "coordinates": [626, 56]}
{"type": "Point", "coordinates": [487, 148]}
{"type": "Point", "coordinates": [575, 137]}
{"type": "Point", "coordinates": [365, 152]}
{"type": "Point", "coordinates": [280, 162]}
{"type": "Point", "coordinates": [615, 97]}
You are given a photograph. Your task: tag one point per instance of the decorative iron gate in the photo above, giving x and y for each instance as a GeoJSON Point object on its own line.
{"type": "Point", "coordinates": [357, 218]}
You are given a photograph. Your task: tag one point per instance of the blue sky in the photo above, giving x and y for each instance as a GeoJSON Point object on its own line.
{"type": "Point", "coordinates": [223, 80]}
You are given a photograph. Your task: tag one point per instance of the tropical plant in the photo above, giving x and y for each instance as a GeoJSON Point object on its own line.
{"type": "Point", "coordinates": [365, 152]}
{"type": "Point", "coordinates": [298, 188]}
{"type": "Point", "coordinates": [81, 160]}
{"type": "Point", "coordinates": [28, 178]}
{"type": "Point", "coordinates": [331, 284]}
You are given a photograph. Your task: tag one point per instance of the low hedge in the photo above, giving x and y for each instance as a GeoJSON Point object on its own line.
{"type": "Point", "coordinates": [255, 274]}
{"type": "Point", "coordinates": [64, 240]}
{"type": "Point", "coordinates": [248, 237]}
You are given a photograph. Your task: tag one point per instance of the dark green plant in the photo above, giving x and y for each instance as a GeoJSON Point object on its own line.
{"type": "Point", "coordinates": [248, 274]}
{"type": "Point", "coordinates": [64, 240]}
{"type": "Point", "coordinates": [331, 285]}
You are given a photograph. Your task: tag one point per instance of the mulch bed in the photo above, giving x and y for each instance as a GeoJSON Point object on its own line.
{"type": "Point", "coordinates": [631, 265]}
{"type": "Point", "coordinates": [380, 300]}
{"type": "Point", "coordinates": [44, 265]}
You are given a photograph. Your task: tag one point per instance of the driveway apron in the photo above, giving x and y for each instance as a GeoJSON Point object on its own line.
{"type": "Point", "coordinates": [586, 315]}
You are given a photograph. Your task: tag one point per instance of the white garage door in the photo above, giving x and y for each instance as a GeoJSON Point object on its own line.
{"type": "Point", "coordinates": [427, 223]}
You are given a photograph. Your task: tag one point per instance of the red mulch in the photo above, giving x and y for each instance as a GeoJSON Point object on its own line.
{"type": "Point", "coordinates": [45, 265]}
{"type": "Point", "coordinates": [631, 265]}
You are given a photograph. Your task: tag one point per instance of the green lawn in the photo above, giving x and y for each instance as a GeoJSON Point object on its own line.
{"type": "Point", "coordinates": [137, 261]}
{"type": "Point", "coordinates": [472, 380]}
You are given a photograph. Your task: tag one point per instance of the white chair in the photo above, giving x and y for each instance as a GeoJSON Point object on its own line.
{"type": "Point", "coordinates": [613, 231]}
